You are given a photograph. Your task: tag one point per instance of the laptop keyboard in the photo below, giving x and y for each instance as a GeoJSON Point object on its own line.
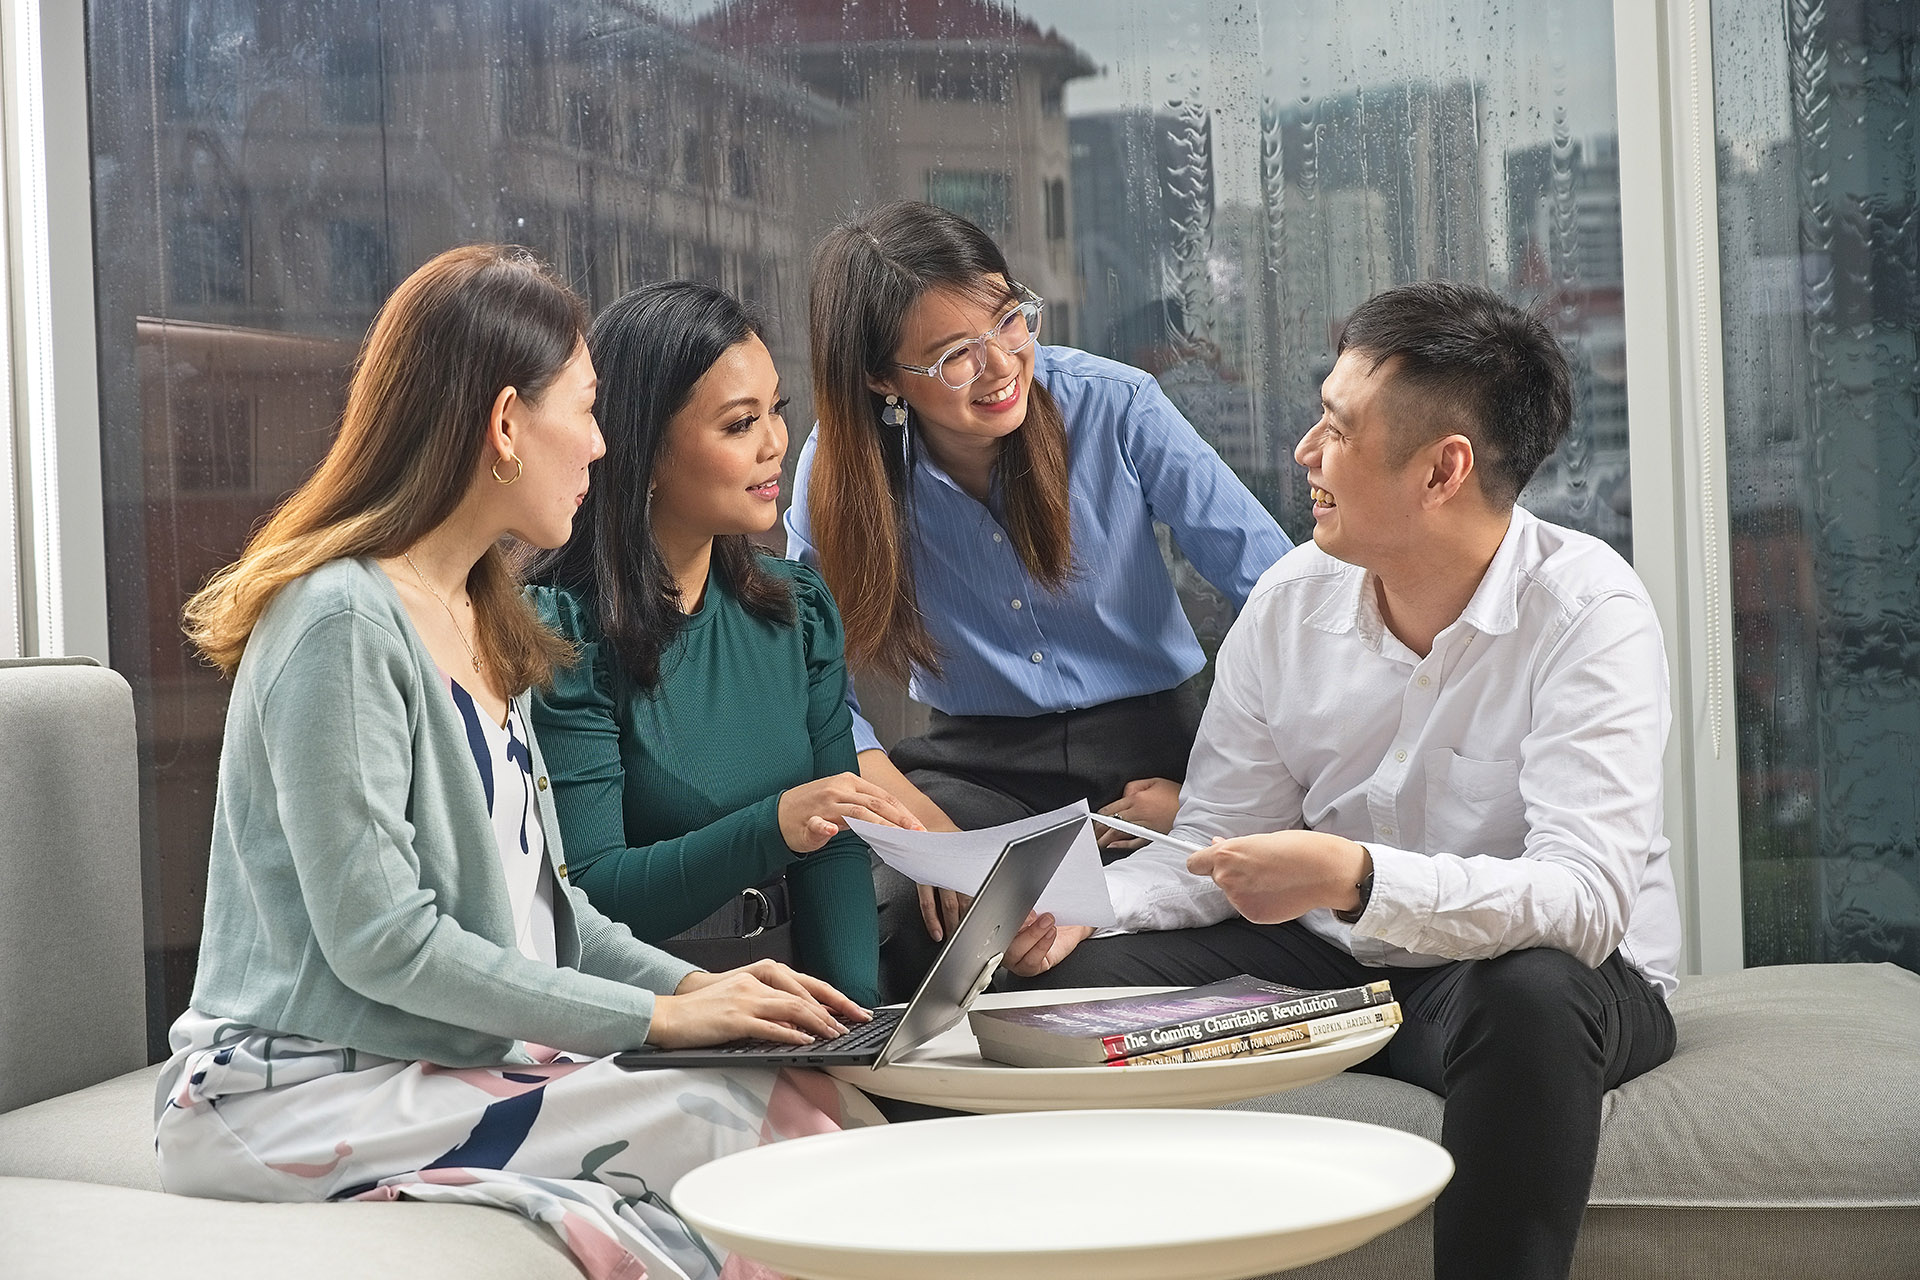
{"type": "Point", "coordinates": [868, 1035]}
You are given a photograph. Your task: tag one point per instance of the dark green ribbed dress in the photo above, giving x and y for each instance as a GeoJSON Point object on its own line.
{"type": "Point", "coordinates": [668, 799]}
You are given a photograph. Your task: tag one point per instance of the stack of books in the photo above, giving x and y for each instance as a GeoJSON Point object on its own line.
{"type": "Point", "coordinates": [1228, 1019]}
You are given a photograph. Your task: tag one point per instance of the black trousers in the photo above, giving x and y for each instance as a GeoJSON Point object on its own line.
{"type": "Point", "coordinates": [1522, 1046]}
{"type": "Point", "coordinates": [986, 770]}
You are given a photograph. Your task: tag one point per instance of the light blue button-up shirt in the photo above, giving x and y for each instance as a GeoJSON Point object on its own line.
{"type": "Point", "coordinates": [1011, 647]}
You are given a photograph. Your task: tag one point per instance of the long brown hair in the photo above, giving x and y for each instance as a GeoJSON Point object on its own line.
{"type": "Point", "coordinates": [866, 277]}
{"type": "Point", "coordinates": [469, 323]}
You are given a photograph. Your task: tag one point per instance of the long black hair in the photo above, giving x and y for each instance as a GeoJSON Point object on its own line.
{"type": "Point", "coordinates": [649, 348]}
{"type": "Point", "coordinates": [867, 275]}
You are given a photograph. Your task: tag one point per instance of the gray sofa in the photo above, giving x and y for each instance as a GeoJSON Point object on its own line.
{"type": "Point", "coordinates": [1783, 1140]}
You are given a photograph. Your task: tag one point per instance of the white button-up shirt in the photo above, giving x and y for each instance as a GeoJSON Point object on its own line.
{"type": "Point", "coordinates": [1508, 784]}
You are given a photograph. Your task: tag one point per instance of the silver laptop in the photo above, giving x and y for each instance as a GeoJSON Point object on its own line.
{"type": "Point", "coordinates": [961, 971]}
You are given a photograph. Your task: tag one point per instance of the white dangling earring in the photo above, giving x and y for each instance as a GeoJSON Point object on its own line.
{"type": "Point", "coordinates": [895, 414]}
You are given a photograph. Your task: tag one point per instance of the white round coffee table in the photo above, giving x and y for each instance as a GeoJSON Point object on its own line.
{"type": "Point", "coordinates": [949, 1072]}
{"type": "Point", "coordinates": [1119, 1195]}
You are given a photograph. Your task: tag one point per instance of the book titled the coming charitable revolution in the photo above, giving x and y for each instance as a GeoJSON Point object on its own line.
{"type": "Point", "coordinates": [1297, 1035]}
{"type": "Point", "coordinates": [1093, 1032]}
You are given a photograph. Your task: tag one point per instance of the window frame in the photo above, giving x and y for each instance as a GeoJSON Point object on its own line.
{"type": "Point", "coordinates": [53, 543]}
{"type": "Point", "coordinates": [1677, 445]}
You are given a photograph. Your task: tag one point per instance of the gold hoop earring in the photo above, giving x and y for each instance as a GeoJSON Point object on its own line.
{"type": "Point", "coordinates": [519, 469]}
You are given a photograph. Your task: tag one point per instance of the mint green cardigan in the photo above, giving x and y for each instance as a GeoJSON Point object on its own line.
{"type": "Point", "coordinates": [354, 892]}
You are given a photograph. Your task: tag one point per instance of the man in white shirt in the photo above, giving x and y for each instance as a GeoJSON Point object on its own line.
{"type": "Point", "coordinates": [1433, 750]}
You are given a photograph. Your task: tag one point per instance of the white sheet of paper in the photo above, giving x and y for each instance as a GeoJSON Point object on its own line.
{"type": "Point", "coordinates": [960, 860]}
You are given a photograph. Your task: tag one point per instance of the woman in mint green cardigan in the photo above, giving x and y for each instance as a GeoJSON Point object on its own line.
{"type": "Point", "coordinates": [400, 994]}
{"type": "Point", "coordinates": [702, 748]}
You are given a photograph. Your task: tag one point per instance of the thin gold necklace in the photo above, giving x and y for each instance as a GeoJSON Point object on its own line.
{"type": "Point", "coordinates": [457, 629]}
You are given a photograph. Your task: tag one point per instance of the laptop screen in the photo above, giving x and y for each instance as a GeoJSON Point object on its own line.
{"type": "Point", "coordinates": [968, 961]}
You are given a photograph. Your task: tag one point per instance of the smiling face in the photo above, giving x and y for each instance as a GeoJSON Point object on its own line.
{"type": "Point", "coordinates": [1367, 498]}
{"type": "Point", "coordinates": [554, 438]}
{"type": "Point", "coordinates": [719, 467]}
{"type": "Point", "coordinates": [996, 403]}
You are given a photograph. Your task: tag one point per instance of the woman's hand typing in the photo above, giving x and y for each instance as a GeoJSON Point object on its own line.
{"type": "Point", "coordinates": [762, 1001]}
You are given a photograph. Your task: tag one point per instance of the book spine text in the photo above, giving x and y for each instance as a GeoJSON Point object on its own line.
{"type": "Point", "coordinates": [1238, 1021]}
{"type": "Point", "coordinates": [1299, 1035]}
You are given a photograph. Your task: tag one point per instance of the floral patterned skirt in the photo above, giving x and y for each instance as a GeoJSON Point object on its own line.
{"type": "Point", "coordinates": [583, 1146]}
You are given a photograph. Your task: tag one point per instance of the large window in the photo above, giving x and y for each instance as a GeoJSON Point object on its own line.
{"type": "Point", "coordinates": [1819, 177]}
{"type": "Point", "coordinates": [1198, 189]}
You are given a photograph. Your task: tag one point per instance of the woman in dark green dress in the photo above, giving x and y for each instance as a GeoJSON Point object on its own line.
{"type": "Point", "coordinates": [701, 749]}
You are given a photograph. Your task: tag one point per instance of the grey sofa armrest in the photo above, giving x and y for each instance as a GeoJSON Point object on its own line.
{"type": "Point", "coordinates": [72, 960]}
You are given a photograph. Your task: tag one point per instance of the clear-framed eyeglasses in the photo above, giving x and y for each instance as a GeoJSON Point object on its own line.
{"type": "Point", "coordinates": [961, 364]}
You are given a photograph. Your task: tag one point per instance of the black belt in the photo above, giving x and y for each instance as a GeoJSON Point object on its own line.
{"type": "Point", "coordinates": [748, 914]}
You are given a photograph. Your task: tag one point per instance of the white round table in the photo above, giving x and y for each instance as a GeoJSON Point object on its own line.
{"type": "Point", "coordinates": [949, 1072]}
{"type": "Point", "coordinates": [1118, 1195]}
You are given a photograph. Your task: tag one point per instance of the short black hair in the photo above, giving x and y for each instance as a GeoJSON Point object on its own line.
{"type": "Point", "coordinates": [1468, 354]}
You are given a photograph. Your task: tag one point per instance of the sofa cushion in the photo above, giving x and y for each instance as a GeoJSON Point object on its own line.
{"type": "Point", "coordinates": [1791, 1087]}
{"type": "Point", "coordinates": [1780, 1140]}
{"type": "Point", "coordinates": [1354, 1095]}
{"type": "Point", "coordinates": [79, 1231]}
{"type": "Point", "coordinates": [103, 1134]}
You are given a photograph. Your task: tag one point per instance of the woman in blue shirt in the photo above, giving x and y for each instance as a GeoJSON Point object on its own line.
{"type": "Point", "coordinates": [983, 509]}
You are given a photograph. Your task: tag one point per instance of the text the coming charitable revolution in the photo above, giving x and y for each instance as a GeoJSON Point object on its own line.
{"type": "Point", "coordinates": [1225, 1024]}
